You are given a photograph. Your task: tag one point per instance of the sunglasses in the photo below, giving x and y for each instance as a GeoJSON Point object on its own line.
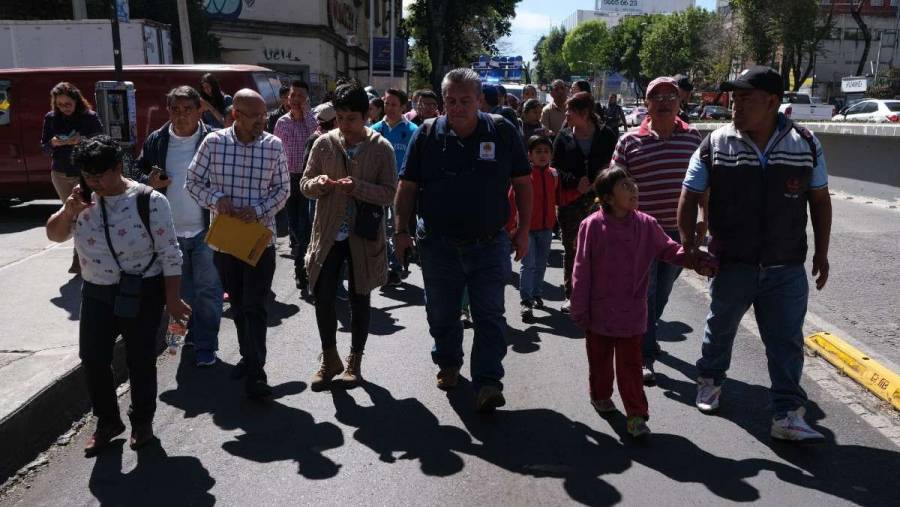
{"type": "Point", "coordinates": [669, 97]}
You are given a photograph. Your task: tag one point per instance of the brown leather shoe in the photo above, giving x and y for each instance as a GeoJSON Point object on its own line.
{"type": "Point", "coordinates": [353, 374]}
{"type": "Point", "coordinates": [330, 365]}
{"type": "Point", "coordinates": [101, 438]}
{"type": "Point", "coordinates": [141, 435]}
{"type": "Point", "coordinates": [447, 378]}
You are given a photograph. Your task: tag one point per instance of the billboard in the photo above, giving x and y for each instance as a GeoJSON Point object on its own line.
{"type": "Point", "coordinates": [494, 69]}
{"type": "Point", "coordinates": [381, 55]}
{"type": "Point", "coordinates": [629, 6]}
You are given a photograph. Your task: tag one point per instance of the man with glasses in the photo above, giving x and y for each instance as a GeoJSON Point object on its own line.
{"type": "Point", "coordinates": [657, 156]}
{"type": "Point", "coordinates": [426, 105]}
{"type": "Point", "coordinates": [242, 171]}
{"type": "Point", "coordinates": [164, 162]}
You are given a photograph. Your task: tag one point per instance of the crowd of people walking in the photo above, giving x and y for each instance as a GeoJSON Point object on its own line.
{"type": "Point", "coordinates": [461, 180]}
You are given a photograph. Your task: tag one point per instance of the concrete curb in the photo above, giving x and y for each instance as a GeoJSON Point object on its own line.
{"type": "Point", "coordinates": [869, 373]}
{"type": "Point", "coordinates": [37, 424]}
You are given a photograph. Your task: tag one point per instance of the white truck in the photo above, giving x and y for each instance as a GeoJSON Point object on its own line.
{"type": "Point", "coordinates": [799, 106]}
{"type": "Point", "coordinates": [86, 42]}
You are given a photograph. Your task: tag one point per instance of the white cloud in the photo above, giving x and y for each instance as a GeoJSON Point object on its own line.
{"type": "Point", "coordinates": [528, 20]}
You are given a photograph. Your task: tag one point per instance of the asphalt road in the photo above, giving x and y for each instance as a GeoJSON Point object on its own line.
{"type": "Point", "coordinates": [399, 440]}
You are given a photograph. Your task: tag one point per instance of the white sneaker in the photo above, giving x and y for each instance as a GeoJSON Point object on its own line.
{"type": "Point", "coordinates": [793, 427]}
{"type": "Point", "coordinates": [707, 395]}
{"type": "Point", "coordinates": [649, 376]}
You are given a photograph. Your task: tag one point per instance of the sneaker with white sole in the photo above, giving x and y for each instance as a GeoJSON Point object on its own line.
{"type": "Point", "coordinates": [649, 376]}
{"type": "Point", "coordinates": [793, 427]}
{"type": "Point", "coordinates": [707, 395]}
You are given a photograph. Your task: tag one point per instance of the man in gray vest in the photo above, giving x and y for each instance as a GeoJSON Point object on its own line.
{"type": "Point", "coordinates": [761, 172]}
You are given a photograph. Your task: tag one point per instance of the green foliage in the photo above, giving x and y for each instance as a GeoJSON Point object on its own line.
{"type": "Point", "coordinates": [626, 41]}
{"type": "Point", "coordinates": [548, 56]}
{"type": "Point", "coordinates": [675, 43]}
{"type": "Point", "coordinates": [586, 47]}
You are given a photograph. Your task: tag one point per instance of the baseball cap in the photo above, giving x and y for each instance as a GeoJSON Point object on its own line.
{"type": "Point", "coordinates": [324, 112]}
{"type": "Point", "coordinates": [662, 82]}
{"type": "Point", "coordinates": [758, 77]}
{"type": "Point", "coordinates": [684, 82]}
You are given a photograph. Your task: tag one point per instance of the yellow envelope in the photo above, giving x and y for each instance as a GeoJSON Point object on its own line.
{"type": "Point", "coordinates": [246, 241]}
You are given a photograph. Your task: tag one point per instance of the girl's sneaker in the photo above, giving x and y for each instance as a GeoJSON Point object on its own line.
{"type": "Point", "coordinates": [603, 407]}
{"type": "Point", "coordinates": [637, 427]}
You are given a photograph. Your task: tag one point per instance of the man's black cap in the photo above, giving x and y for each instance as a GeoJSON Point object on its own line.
{"type": "Point", "coordinates": [684, 82]}
{"type": "Point", "coordinates": [758, 77]}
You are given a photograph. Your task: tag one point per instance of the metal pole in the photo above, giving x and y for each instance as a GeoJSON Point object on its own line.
{"type": "Point", "coordinates": [896, 33]}
{"type": "Point", "coordinates": [116, 40]}
{"type": "Point", "coordinates": [392, 36]}
{"type": "Point", "coordinates": [371, 37]}
{"type": "Point", "coordinates": [878, 59]}
{"type": "Point", "coordinates": [184, 29]}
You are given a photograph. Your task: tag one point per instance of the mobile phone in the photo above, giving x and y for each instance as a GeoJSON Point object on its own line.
{"type": "Point", "coordinates": [85, 190]}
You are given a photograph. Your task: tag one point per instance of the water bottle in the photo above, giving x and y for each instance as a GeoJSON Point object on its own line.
{"type": "Point", "coordinates": [175, 333]}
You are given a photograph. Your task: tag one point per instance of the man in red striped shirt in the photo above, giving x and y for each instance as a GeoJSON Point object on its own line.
{"type": "Point", "coordinates": [657, 156]}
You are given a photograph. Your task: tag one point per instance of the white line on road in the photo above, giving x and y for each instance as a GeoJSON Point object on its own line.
{"type": "Point", "coordinates": [860, 401]}
{"type": "Point", "coordinates": [43, 251]}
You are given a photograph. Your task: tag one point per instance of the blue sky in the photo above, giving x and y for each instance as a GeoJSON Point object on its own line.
{"type": "Point", "coordinates": [535, 17]}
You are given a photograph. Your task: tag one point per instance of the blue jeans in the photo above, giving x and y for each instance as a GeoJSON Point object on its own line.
{"type": "Point", "coordinates": [394, 264]}
{"type": "Point", "coordinates": [484, 269]}
{"type": "Point", "coordinates": [779, 296]}
{"type": "Point", "coordinates": [534, 264]}
{"type": "Point", "coordinates": [662, 277]}
{"type": "Point", "coordinates": [300, 212]}
{"type": "Point", "coordinates": [202, 290]}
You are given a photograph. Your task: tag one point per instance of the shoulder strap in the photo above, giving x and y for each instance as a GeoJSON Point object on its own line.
{"type": "Point", "coordinates": [810, 140]}
{"type": "Point", "coordinates": [143, 208]}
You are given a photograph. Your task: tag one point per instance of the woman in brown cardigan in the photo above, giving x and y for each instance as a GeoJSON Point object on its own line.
{"type": "Point", "coordinates": [349, 167]}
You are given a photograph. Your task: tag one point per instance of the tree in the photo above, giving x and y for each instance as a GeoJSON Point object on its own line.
{"type": "Point", "coordinates": [549, 62]}
{"type": "Point", "coordinates": [675, 43]}
{"type": "Point", "coordinates": [855, 8]}
{"type": "Point", "coordinates": [586, 47]}
{"type": "Point", "coordinates": [453, 34]}
{"type": "Point", "coordinates": [626, 40]}
{"type": "Point", "coordinates": [758, 29]}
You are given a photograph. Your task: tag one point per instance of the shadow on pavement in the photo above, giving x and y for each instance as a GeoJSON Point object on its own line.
{"type": "Point", "coordinates": [543, 443]}
{"type": "Point", "coordinates": [673, 331]}
{"type": "Point", "coordinates": [852, 472]}
{"type": "Point", "coordinates": [272, 431]}
{"type": "Point", "coordinates": [402, 429]}
{"type": "Point", "coordinates": [158, 479]}
{"type": "Point", "coordinates": [26, 216]}
{"type": "Point", "coordinates": [69, 298]}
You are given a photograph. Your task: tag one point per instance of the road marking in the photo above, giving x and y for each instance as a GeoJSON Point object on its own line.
{"type": "Point", "coordinates": [860, 401]}
{"type": "Point", "coordinates": [884, 204]}
{"type": "Point", "coordinates": [43, 251]}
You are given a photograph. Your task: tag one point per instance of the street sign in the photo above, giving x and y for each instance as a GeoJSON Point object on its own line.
{"type": "Point", "coordinates": [854, 84]}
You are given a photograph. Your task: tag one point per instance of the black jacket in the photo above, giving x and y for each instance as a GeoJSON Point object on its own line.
{"type": "Point", "coordinates": [570, 162]}
{"type": "Point", "coordinates": [156, 146]}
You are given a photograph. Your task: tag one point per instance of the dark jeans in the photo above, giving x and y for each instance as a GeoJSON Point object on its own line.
{"type": "Point", "coordinates": [325, 291]}
{"type": "Point", "coordinates": [97, 332]}
{"type": "Point", "coordinates": [570, 218]}
{"type": "Point", "coordinates": [662, 278]}
{"type": "Point", "coordinates": [779, 297]}
{"type": "Point", "coordinates": [248, 287]}
{"type": "Point", "coordinates": [484, 269]}
{"type": "Point", "coordinates": [300, 217]}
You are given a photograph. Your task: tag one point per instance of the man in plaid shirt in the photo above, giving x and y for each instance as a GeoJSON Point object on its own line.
{"type": "Point", "coordinates": [294, 129]}
{"type": "Point", "coordinates": [242, 171]}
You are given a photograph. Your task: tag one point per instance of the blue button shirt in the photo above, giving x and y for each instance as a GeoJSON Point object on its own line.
{"type": "Point", "coordinates": [465, 182]}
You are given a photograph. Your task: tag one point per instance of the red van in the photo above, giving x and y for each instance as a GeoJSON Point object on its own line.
{"type": "Point", "coordinates": [25, 99]}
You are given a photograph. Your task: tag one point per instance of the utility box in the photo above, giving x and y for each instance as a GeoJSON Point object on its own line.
{"type": "Point", "coordinates": [67, 43]}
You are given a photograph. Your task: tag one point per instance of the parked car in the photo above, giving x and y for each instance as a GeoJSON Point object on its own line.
{"type": "Point", "coordinates": [636, 116]}
{"type": "Point", "coordinates": [800, 106]}
{"type": "Point", "coordinates": [25, 99]}
{"type": "Point", "coordinates": [715, 113]}
{"type": "Point", "coordinates": [871, 110]}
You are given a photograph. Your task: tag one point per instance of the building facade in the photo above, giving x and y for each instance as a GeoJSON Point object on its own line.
{"type": "Point", "coordinates": [611, 12]}
{"type": "Point", "coordinates": [317, 41]}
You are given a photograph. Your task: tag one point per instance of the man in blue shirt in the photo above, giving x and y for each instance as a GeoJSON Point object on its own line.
{"type": "Point", "coordinates": [398, 131]}
{"type": "Point", "coordinates": [762, 172]}
{"type": "Point", "coordinates": [458, 171]}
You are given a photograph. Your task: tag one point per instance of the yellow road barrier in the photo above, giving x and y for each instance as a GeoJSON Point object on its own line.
{"type": "Point", "coordinates": [869, 373]}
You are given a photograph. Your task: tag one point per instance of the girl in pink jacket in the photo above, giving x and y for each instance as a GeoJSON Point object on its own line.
{"type": "Point", "coordinates": [616, 246]}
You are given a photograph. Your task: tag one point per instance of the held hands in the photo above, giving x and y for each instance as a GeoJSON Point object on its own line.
{"type": "Point", "coordinates": [704, 263]}
{"type": "Point", "coordinates": [156, 180]}
{"type": "Point", "coordinates": [179, 310]}
{"type": "Point", "coordinates": [74, 204]}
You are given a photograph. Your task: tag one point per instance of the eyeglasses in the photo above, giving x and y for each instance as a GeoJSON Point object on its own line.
{"type": "Point", "coordinates": [260, 116]}
{"type": "Point", "coordinates": [669, 97]}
